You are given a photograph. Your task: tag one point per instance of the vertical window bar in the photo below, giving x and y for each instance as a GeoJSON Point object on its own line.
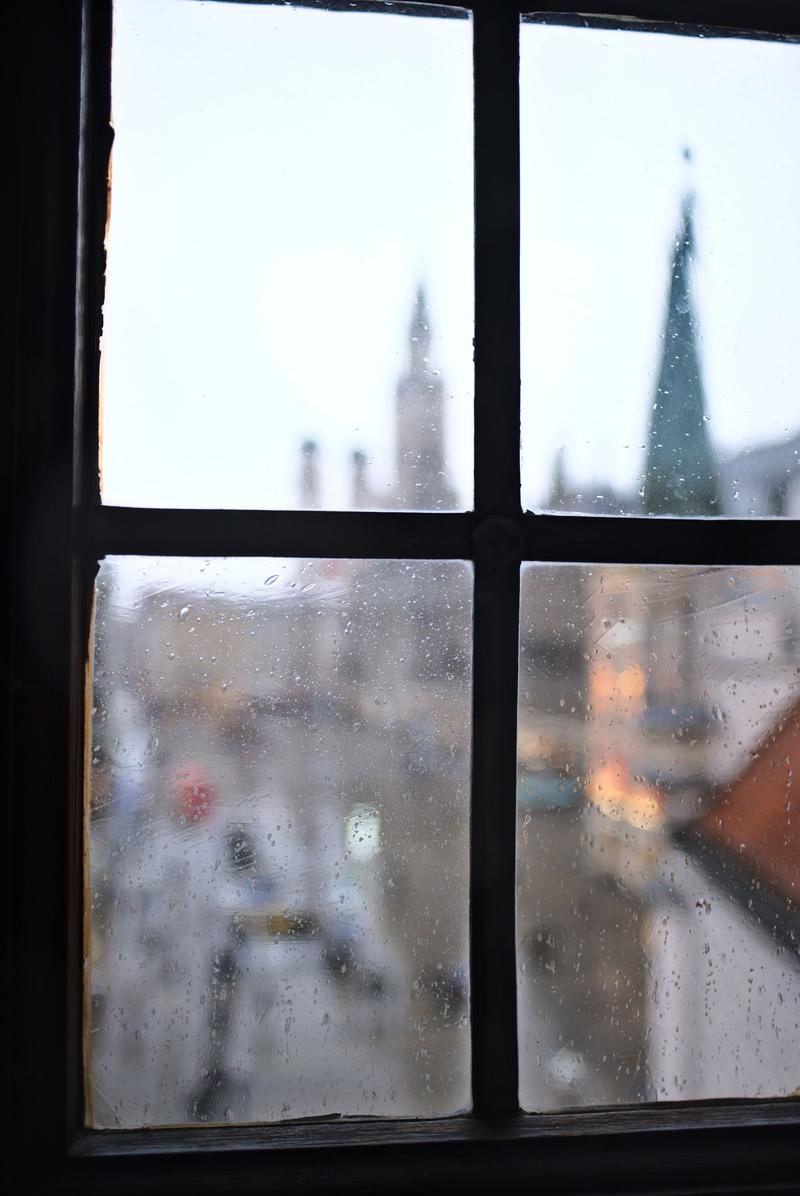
{"type": "Point", "coordinates": [497, 552]}
{"type": "Point", "coordinates": [44, 76]}
{"type": "Point", "coordinates": [497, 304]}
{"type": "Point", "coordinates": [94, 151]}
{"type": "Point", "coordinates": [95, 154]}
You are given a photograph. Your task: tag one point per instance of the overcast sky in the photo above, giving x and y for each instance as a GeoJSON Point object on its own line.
{"type": "Point", "coordinates": [283, 178]}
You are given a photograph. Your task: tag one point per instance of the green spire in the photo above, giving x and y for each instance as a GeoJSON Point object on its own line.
{"type": "Point", "coordinates": [680, 473]}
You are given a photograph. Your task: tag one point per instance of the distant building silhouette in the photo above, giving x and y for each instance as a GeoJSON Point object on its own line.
{"type": "Point", "coordinates": [421, 480]}
{"type": "Point", "coordinates": [309, 476]}
{"type": "Point", "coordinates": [360, 493]}
{"type": "Point", "coordinates": [763, 481]}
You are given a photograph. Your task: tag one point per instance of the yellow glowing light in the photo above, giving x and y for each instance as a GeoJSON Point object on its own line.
{"type": "Point", "coordinates": [621, 799]}
{"type": "Point", "coordinates": [611, 690]}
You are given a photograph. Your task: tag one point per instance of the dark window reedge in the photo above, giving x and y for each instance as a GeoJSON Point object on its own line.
{"type": "Point", "coordinates": [561, 538]}
{"type": "Point", "coordinates": [692, 18]}
{"type": "Point", "coordinates": [671, 1117]}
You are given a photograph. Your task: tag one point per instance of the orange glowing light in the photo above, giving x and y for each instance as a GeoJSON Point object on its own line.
{"type": "Point", "coordinates": [616, 795]}
{"type": "Point", "coordinates": [612, 690]}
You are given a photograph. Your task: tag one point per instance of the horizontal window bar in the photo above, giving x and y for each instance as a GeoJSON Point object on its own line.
{"type": "Point", "coordinates": [393, 535]}
{"type": "Point", "coordinates": [660, 541]}
{"type": "Point", "coordinates": [385, 534]}
{"type": "Point", "coordinates": [736, 18]}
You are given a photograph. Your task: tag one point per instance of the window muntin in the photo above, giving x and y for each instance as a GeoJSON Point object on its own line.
{"type": "Point", "coordinates": [660, 264]}
{"type": "Point", "coordinates": [283, 180]}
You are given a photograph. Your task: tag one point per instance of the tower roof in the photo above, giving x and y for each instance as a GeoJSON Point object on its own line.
{"type": "Point", "coordinates": [422, 481]}
{"type": "Point", "coordinates": [680, 471]}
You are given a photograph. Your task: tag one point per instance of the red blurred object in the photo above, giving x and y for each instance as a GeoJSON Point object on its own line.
{"type": "Point", "coordinates": [194, 793]}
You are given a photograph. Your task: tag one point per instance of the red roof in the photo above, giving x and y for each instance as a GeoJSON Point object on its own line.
{"type": "Point", "coordinates": [757, 815]}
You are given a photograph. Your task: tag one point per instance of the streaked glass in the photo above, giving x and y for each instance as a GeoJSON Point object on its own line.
{"type": "Point", "coordinates": [658, 848]}
{"type": "Point", "coordinates": [278, 797]}
{"type": "Point", "coordinates": [660, 271]}
{"type": "Point", "coordinates": [288, 305]}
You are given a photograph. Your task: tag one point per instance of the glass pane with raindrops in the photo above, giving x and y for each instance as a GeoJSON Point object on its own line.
{"type": "Point", "coordinates": [660, 273]}
{"type": "Point", "coordinates": [658, 834]}
{"type": "Point", "coordinates": [287, 317]}
{"type": "Point", "coordinates": [277, 840]}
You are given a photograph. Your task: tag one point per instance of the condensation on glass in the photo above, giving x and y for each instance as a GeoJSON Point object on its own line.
{"type": "Point", "coordinates": [278, 793]}
{"type": "Point", "coordinates": [658, 834]}
{"type": "Point", "coordinates": [288, 306]}
{"type": "Point", "coordinates": [660, 273]}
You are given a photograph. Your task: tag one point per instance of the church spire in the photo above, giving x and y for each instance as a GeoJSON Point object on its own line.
{"type": "Point", "coordinates": [680, 472]}
{"type": "Point", "coordinates": [422, 482]}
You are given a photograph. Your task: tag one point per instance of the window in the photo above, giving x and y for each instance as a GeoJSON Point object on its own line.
{"type": "Point", "coordinates": [59, 533]}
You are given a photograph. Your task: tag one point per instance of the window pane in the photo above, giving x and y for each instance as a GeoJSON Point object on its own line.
{"type": "Point", "coordinates": [660, 273]}
{"type": "Point", "coordinates": [278, 840]}
{"type": "Point", "coordinates": [288, 311]}
{"type": "Point", "coordinates": [658, 837]}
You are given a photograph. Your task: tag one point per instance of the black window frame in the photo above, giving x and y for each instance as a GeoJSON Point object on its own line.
{"type": "Point", "coordinates": [58, 55]}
